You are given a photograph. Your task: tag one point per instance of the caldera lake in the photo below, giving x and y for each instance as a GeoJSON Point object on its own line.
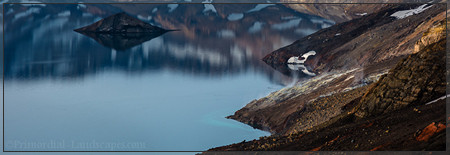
{"type": "Point", "coordinates": [65, 91]}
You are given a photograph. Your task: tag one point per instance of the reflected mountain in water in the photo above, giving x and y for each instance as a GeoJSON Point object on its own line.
{"type": "Point", "coordinates": [123, 41]}
{"type": "Point", "coordinates": [121, 31]}
{"type": "Point", "coordinates": [210, 42]}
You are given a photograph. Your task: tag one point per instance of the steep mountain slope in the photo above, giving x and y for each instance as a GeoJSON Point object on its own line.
{"type": "Point", "coordinates": [343, 10]}
{"type": "Point", "coordinates": [336, 12]}
{"type": "Point", "coordinates": [349, 66]}
{"type": "Point", "coordinates": [418, 79]}
{"type": "Point", "coordinates": [417, 125]}
{"type": "Point", "coordinates": [363, 41]}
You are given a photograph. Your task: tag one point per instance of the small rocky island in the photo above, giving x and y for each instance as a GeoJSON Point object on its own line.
{"type": "Point", "coordinates": [121, 31]}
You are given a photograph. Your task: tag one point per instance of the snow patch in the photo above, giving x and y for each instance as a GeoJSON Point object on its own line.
{"type": "Point", "coordinates": [337, 34]}
{"type": "Point", "coordinates": [286, 25]}
{"type": "Point", "coordinates": [305, 31]}
{"type": "Point", "coordinates": [440, 98]}
{"type": "Point", "coordinates": [113, 55]}
{"type": "Point", "coordinates": [64, 14]}
{"type": "Point", "coordinates": [27, 13]}
{"type": "Point", "coordinates": [348, 78]}
{"type": "Point", "coordinates": [226, 34]}
{"type": "Point", "coordinates": [209, 7]}
{"type": "Point", "coordinates": [259, 7]}
{"type": "Point", "coordinates": [321, 21]}
{"type": "Point", "coordinates": [295, 60]}
{"type": "Point", "coordinates": [361, 14]}
{"type": "Point", "coordinates": [172, 7]}
{"type": "Point", "coordinates": [81, 6]}
{"type": "Point", "coordinates": [289, 17]}
{"type": "Point", "coordinates": [10, 11]}
{"type": "Point", "coordinates": [406, 13]}
{"type": "Point", "coordinates": [144, 18]}
{"type": "Point", "coordinates": [85, 14]}
{"type": "Point", "coordinates": [36, 3]}
{"type": "Point", "coordinates": [238, 55]}
{"type": "Point", "coordinates": [302, 68]}
{"type": "Point", "coordinates": [235, 16]}
{"type": "Point", "coordinates": [256, 27]}
{"type": "Point", "coordinates": [326, 25]}
{"type": "Point", "coordinates": [212, 57]}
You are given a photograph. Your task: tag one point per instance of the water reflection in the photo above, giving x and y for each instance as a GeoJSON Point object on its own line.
{"type": "Point", "coordinates": [121, 42]}
{"type": "Point", "coordinates": [171, 92]}
{"type": "Point", "coordinates": [300, 67]}
{"type": "Point", "coordinates": [207, 45]}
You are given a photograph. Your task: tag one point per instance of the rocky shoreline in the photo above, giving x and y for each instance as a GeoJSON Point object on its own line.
{"type": "Point", "coordinates": [413, 126]}
{"type": "Point", "coordinates": [369, 78]}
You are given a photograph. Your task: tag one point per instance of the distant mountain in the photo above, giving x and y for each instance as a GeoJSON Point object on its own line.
{"type": "Point", "coordinates": [343, 10]}
{"type": "Point", "coordinates": [362, 41]}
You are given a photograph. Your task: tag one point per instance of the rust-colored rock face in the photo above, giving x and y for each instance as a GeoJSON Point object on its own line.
{"type": "Point", "coordinates": [429, 131]}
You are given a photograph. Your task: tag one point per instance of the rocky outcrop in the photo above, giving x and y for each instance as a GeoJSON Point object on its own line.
{"type": "Point", "coordinates": [121, 31]}
{"type": "Point", "coordinates": [416, 80]}
{"type": "Point", "coordinates": [121, 23]}
{"type": "Point", "coordinates": [432, 35]}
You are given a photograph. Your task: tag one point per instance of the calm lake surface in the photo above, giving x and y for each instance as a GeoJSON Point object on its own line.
{"type": "Point", "coordinates": [66, 91]}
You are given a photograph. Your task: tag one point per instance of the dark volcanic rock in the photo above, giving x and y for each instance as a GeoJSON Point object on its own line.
{"type": "Point", "coordinates": [121, 23]}
{"type": "Point", "coordinates": [121, 31]}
